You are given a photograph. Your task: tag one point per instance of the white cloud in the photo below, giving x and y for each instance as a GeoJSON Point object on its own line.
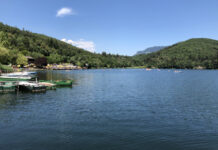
{"type": "Point", "coordinates": [87, 45]}
{"type": "Point", "coordinates": [65, 11]}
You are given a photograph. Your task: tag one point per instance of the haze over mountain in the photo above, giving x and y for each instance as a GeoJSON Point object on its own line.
{"type": "Point", "coordinates": [151, 50]}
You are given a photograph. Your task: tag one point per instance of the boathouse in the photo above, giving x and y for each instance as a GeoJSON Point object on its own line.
{"type": "Point", "coordinates": [30, 59]}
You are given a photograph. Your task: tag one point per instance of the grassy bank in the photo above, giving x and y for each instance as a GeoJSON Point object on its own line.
{"type": "Point", "coordinates": [136, 67]}
{"type": "Point", "coordinates": [5, 68]}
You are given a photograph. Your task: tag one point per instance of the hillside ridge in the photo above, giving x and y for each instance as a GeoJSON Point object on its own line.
{"type": "Point", "coordinates": [193, 53]}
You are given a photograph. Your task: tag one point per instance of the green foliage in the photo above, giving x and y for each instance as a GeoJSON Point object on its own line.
{"type": "Point", "coordinates": [54, 59]}
{"type": "Point", "coordinates": [190, 54]}
{"type": "Point", "coordinates": [5, 68]}
{"type": "Point", "coordinates": [4, 55]}
{"type": "Point", "coordinates": [21, 60]}
{"type": "Point", "coordinates": [13, 56]}
{"type": "Point", "coordinates": [193, 53]}
{"type": "Point", "coordinates": [56, 51]}
{"type": "Point", "coordinates": [36, 55]}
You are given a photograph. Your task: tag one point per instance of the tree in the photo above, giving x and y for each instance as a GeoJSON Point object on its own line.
{"type": "Point", "coordinates": [54, 58]}
{"type": "Point", "coordinates": [104, 54]}
{"type": "Point", "coordinates": [21, 60]}
{"type": "Point", "coordinates": [36, 55]}
{"type": "Point", "coordinates": [13, 56]}
{"type": "Point", "coordinates": [78, 63]}
{"type": "Point", "coordinates": [4, 55]}
{"type": "Point", "coordinates": [56, 51]}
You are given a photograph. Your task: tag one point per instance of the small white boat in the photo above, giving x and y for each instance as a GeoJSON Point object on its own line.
{"type": "Point", "coordinates": [177, 71]}
{"type": "Point", "coordinates": [14, 78]}
{"type": "Point", "coordinates": [28, 83]}
{"type": "Point", "coordinates": [47, 84]}
{"type": "Point", "coordinates": [148, 69]}
{"type": "Point", "coordinates": [19, 74]}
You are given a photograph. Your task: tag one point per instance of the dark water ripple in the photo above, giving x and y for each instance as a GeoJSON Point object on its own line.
{"type": "Point", "coordinates": [115, 109]}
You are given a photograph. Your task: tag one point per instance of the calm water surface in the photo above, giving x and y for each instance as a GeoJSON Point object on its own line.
{"type": "Point", "coordinates": [117, 109]}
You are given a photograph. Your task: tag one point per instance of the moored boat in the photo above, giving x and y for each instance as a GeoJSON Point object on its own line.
{"type": "Point", "coordinates": [48, 85]}
{"type": "Point", "coordinates": [31, 86]}
{"type": "Point", "coordinates": [15, 78]}
{"type": "Point", "coordinates": [148, 69]}
{"type": "Point", "coordinates": [6, 87]}
{"type": "Point", "coordinates": [25, 73]}
{"type": "Point", "coordinates": [59, 82]}
{"type": "Point", "coordinates": [177, 71]}
{"type": "Point", "coordinates": [18, 76]}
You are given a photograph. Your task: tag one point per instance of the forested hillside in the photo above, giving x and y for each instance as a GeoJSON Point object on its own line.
{"type": "Point", "coordinates": [194, 53]}
{"type": "Point", "coordinates": [16, 43]}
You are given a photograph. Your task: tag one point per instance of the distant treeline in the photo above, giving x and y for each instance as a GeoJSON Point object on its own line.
{"type": "Point", "coordinates": [16, 43]}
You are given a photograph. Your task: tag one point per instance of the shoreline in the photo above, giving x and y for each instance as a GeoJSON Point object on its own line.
{"type": "Point", "coordinates": [15, 69]}
{"type": "Point", "coordinates": [44, 69]}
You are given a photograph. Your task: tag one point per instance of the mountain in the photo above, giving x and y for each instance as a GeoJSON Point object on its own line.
{"type": "Point", "coordinates": [193, 53]}
{"type": "Point", "coordinates": [16, 43]}
{"type": "Point", "coordinates": [150, 50]}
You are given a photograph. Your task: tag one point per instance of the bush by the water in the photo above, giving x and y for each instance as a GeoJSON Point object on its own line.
{"type": "Point", "coordinates": [5, 68]}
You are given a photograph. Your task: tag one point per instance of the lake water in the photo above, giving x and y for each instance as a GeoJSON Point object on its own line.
{"type": "Point", "coordinates": [115, 109]}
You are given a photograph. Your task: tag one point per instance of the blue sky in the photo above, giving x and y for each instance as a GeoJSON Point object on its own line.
{"type": "Point", "coordinates": [115, 26]}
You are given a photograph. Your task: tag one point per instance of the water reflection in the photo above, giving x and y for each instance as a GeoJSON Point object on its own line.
{"type": "Point", "coordinates": [115, 109]}
{"type": "Point", "coordinates": [7, 99]}
{"type": "Point", "coordinates": [55, 75]}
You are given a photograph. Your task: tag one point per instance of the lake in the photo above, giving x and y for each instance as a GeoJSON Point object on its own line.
{"type": "Point", "coordinates": [115, 109]}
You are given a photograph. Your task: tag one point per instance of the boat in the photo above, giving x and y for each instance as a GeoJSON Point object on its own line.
{"type": "Point", "coordinates": [59, 82]}
{"type": "Point", "coordinates": [15, 78]}
{"type": "Point", "coordinates": [6, 87]}
{"type": "Point", "coordinates": [25, 73]}
{"type": "Point", "coordinates": [64, 82]}
{"type": "Point", "coordinates": [177, 71]}
{"type": "Point", "coordinates": [48, 85]}
{"type": "Point", "coordinates": [18, 76]}
{"type": "Point", "coordinates": [148, 69]}
{"type": "Point", "coordinates": [31, 86]}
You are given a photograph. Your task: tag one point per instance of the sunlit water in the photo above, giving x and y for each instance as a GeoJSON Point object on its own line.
{"type": "Point", "coordinates": [115, 109]}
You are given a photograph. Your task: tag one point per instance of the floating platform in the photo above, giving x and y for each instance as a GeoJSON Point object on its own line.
{"type": "Point", "coordinates": [31, 87]}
